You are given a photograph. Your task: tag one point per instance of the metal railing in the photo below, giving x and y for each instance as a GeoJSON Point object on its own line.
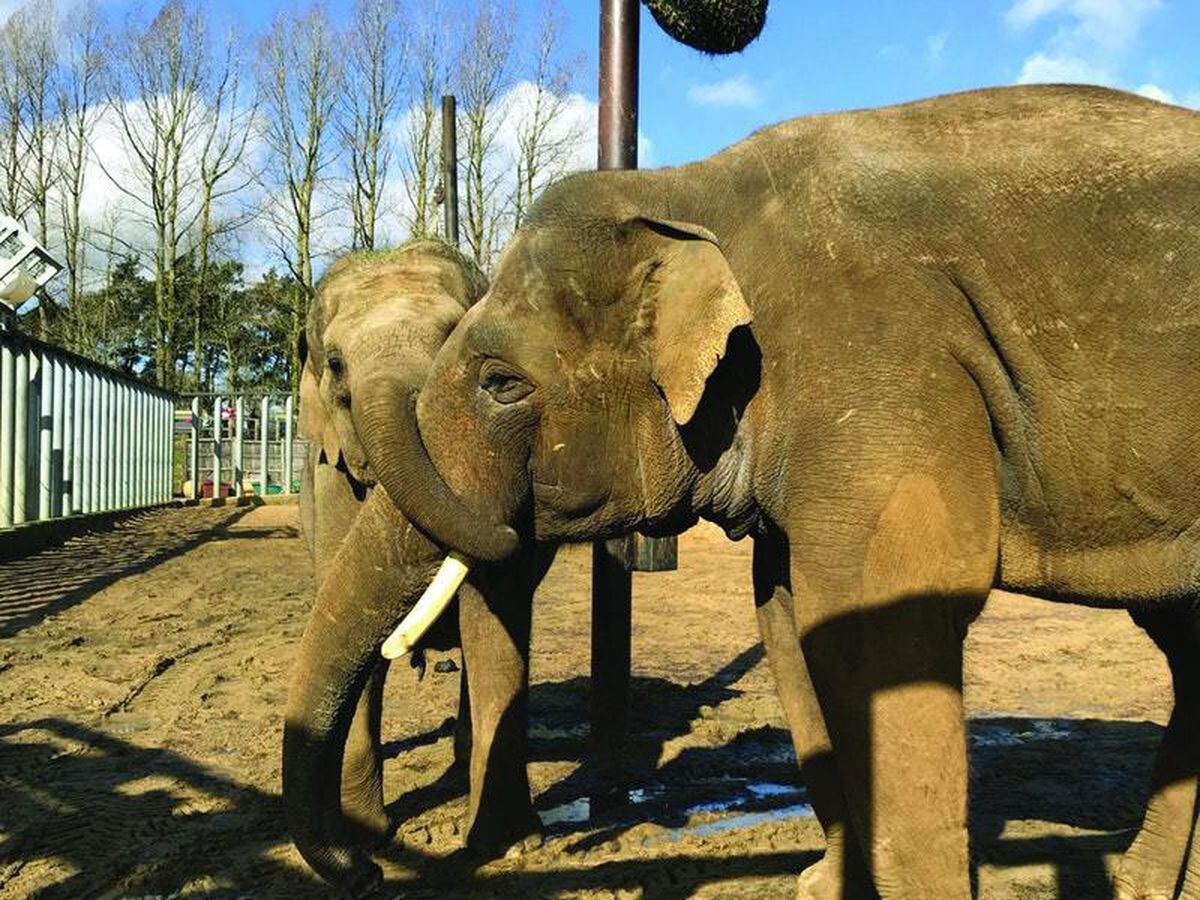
{"type": "Point", "coordinates": [236, 443]}
{"type": "Point", "coordinates": [77, 437]}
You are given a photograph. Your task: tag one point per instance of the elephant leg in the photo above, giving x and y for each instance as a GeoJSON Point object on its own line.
{"type": "Point", "coordinates": [841, 874]}
{"type": "Point", "coordinates": [889, 683]}
{"type": "Point", "coordinates": [495, 616]}
{"type": "Point", "coordinates": [462, 724]}
{"type": "Point", "coordinates": [888, 585]}
{"type": "Point", "coordinates": [1154, 865]}
{"type": "Point", "coordinates": [362, 764]}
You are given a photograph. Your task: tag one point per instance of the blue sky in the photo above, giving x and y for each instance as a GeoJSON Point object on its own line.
{"type": "Point", "coordinates": [815, 57]}
{"type": "Point", "coordinates": [819, 56]}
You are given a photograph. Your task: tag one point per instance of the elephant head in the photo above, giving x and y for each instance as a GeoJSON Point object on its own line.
{"type": "Point", "coordinates": [372, 332]}
{"type": "Point", "coordinates": [598, 386]}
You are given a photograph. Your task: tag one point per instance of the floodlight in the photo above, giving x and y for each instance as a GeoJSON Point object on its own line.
{"type": "Point", "coordinates": [25, 265]}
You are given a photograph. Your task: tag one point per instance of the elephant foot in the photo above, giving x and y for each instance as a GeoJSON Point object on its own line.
{"type": "Point", "coordinates": [510, 839]}
{"type": "Point", "coordinates": [827, 879]}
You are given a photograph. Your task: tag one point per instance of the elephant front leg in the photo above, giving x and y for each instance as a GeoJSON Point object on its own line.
{"type": "Point", "coordinates": [840, 874]}
{"type": "Point", "coordinates": [889, 682]}
{"type": "Point", "coordinates": [362, 765]}
{"type": "Point", "coordinates": [1158, 860]}
{"type": "Point", "coordinates": [495, 623]}
{"type": "Point", "coordinates": [891, 574]}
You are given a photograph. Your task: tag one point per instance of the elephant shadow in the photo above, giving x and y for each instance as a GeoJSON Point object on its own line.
{"type": "Point", "coordinates": [1056, 792]}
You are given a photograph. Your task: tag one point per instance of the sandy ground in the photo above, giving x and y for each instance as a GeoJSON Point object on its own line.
{"type": "Point", "coordinates": [143, 674]}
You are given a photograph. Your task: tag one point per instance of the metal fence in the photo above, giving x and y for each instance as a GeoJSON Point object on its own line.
{"type": "Point", "coordinates": [77, 437]}
{"type": "Point", "coordinates": [239, 444]}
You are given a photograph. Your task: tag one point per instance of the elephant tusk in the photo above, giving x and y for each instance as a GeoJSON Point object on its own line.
{"type": "Point", "coordinates": [431, 605]}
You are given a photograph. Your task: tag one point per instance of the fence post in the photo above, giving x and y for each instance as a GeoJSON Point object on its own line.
{"type": "Point", "coordinates": [194, 450]}
{"type": "Point", "coordinates": [67, 466]}
{"type": "Point", "coordinates": [264, 445]}
{"type": "Point", "coordinates": [101, 429]}
{"type": "Point", "coordinates": [20, 435]}
{"type": "Point", "coordinates": [85, 440]}
{"type": "Point", "coordinates": [287, 437]}
{"type": "Point", "coordinates": [122, 457]}
{"type": "Point", "coordinates": [44, 412]}
{"type": "Point", "coordinates": [216, 451]}
{"type": "Point", "coordinates": [239, 423]}
{"type": "Point", "coordinates": [7, 401]}
{"type": "Point", "coordinates": [166, 446]}
{"type": "Point", "coordinates": [110, 460]}
{"type": "Point", "coordinates": [139, 446]}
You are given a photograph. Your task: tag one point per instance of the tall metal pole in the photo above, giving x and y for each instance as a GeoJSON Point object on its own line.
{"type": "Point", "coordinates": [450, 167]}
{"type": "Point", "coordinates": [612, 586]}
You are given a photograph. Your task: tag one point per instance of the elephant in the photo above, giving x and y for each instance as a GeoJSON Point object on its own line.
{"type": "Point", "coordinates": [371, 334]}
{"type": "Point", "coordinates": [916, 353]}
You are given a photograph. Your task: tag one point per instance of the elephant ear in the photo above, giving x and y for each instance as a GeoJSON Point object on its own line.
{"type": "Point", "coordinates": [314, 423]}
{"type": "Point", "coordinates": [694, 302]}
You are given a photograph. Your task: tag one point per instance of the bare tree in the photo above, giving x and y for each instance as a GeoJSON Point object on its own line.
{"type": "Point", "coordinates": [374, 53]}
{"type": "Point", "coordinates": [546, 140]}
{"type": "Point", "coordinates": [12, 122]}
{"type": "Point", "coordinates": [77, 90]}
{"type": "Point", "coordinates": [156, 99]}
{"type": "Point", "coordinates": [484, 72]}
{"type": "Point", "coordinates": [226, 127]}
{"type": "Point", "coordinates": [299, 83]}
{"type": "Point", "coordinates": [429, 75]}
{"type": "Point", "coordinates": [33, 67]}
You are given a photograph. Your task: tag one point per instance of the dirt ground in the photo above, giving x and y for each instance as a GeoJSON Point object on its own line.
{"type": "Point", "coordinates": [143, 674]}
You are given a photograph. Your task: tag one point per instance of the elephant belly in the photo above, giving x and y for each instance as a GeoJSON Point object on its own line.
{"type": "Point", "coordinates": [1121, 574]}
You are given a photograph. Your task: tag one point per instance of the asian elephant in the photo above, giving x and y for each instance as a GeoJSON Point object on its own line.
{"type": "Point", "coordinates": [372, 331]}
{"type": "Point", "coordinates": [916, 353]}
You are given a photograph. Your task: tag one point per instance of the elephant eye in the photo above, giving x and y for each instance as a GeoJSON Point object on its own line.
{"type": "Point", "coordinates": [505, 384]}
{"type": "Point", "coordinates": [337, 367]}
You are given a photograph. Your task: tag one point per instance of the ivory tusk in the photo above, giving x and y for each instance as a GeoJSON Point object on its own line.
{"type": "Point", "coordinates": [431, 605]}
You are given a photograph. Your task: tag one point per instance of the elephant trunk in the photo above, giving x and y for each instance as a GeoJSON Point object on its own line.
{"type": "Point", "coordinates": [385, 415]}
{"type": "Point", "coordinates": [367, 591]}
{"type": "Point", "coordinates": [336, 657]}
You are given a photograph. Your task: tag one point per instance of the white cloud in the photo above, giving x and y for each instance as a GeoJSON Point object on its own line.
{"type": "Point", "coordinates": [1110, 24]}
{"type": "Point", "coordinates": [1090, 40]}
{"type": "Point", "coordinates": [935, 46]}
{"type": "Point", "coordinates": [107, 204]}
{"type": "Point", "coordinates": [1154, 92]}
{"type": "Point", "coordinates": [737, 90]}
{"type": "Point", "coordinates": [1041, 68]}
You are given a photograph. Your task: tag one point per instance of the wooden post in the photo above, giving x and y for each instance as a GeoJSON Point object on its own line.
{"type": "Point", "coordinates": [613, 561]}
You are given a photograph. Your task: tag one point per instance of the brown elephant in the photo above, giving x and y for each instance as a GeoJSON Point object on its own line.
{"type": "Point", "coordinates": [372, 331]}
{"type": "Point", "coordinates": [917, 353]}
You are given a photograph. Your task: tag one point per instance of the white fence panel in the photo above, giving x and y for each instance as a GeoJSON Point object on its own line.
{"type": "Point", "coordinates": [77, 437]}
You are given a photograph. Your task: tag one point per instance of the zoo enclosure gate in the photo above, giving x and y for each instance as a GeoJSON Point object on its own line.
{"type": "Point", "coordinates": [235, 444]}
{"type": "Point", "coordinates": [77, 437]}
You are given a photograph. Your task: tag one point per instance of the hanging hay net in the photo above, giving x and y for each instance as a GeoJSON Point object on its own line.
{"type": "Point", "coordinates": [711, 26]}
